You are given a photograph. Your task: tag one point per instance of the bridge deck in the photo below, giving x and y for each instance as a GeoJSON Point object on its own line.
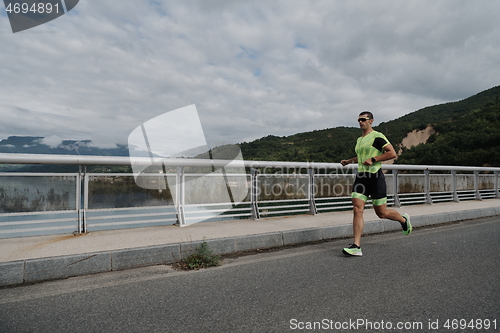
{"type": "Point", "coordinates": [58, 256]}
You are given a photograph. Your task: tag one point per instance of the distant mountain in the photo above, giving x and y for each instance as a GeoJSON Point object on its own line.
{"type": "Point", "coordinates": [35, 145]}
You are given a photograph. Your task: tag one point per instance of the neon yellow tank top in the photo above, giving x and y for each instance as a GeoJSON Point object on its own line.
{"type": "Point", "coordinates": [370, 146]}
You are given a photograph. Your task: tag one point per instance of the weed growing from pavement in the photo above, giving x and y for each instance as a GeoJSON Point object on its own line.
{"type": "Point", "coordinates": [201, 258]}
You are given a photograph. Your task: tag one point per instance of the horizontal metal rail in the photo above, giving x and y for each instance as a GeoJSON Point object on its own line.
{"type": "Point", "coordinates": [300, 186]}
{"type": "Point", "coordinates": [6, 158]}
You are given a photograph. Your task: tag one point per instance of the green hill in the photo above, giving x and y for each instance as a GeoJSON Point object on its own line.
{"type": "Point", "coordinates": [316, 146]}
{"type": "Point", "coordinates": [470, 139]}
{"type": "Point", "coordinates": [397, 129]}
{"type": "Point", "coordinates": [468, 133]}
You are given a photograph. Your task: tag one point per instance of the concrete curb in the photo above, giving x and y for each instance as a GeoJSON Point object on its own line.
{"type": "Point", "coordinates": [44, 269]}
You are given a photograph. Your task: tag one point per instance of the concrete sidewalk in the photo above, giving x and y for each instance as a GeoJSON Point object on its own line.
{"type": "Point", "coordinates": [40, 258]}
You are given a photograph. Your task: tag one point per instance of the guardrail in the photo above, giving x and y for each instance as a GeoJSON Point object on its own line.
{"type": "Point", "coordinates": [48, 203]}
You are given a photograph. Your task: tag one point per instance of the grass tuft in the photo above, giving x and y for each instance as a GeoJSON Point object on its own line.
{"type": "Point", "coordinates": [201, 258]}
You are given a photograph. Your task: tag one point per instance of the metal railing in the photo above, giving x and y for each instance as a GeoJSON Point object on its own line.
{"type": "Point", "coordinates": [49, 203]}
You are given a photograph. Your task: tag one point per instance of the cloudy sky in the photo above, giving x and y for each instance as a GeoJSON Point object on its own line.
{"type": "Point", "coordinates": [252, 68]}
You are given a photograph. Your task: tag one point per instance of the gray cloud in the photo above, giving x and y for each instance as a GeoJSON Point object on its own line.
{"type": "Point", "coordinates": [252, 68]}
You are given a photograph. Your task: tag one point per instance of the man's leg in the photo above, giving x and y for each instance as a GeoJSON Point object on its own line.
{"type": "Point", "coordinates": [358, 222]}
{"type": "Point", "coordinates": [357, 226]}
{"type": "Point", "coordinates": [379, 199]}
{"type": "Point", "coordinates": [392, 214]}
{"type": "Point", "coordinates": [384, 213]}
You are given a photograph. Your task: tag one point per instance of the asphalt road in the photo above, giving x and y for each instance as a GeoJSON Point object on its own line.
{"type": "Point", "coordinates": [415, 283]}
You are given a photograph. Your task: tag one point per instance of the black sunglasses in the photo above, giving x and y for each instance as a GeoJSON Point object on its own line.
{"type": "Point", "coordinates": [362, 119]}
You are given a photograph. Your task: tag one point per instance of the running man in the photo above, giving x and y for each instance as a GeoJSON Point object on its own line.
{"type": "Point", "coordinates": [372, 148]}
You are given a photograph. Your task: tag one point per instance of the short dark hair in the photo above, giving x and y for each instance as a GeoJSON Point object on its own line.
{"type": "Point", "coordinates": [368, 113]}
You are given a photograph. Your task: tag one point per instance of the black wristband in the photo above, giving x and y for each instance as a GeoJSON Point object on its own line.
{"type": "Point", "coordinates": [374, 160]}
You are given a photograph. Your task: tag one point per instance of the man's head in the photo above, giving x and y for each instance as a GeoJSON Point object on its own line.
{"type": "Point", "coordinates": [366, 114]}
{"type": "Point", "coordinates": [365, 120]}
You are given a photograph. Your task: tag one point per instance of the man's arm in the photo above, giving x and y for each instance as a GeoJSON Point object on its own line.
{"type": "Point", "coordinates": [349, 161]}
{"type": "Point", "coordinates": [389, 154]}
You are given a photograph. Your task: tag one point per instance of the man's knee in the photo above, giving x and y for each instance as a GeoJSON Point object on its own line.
{"type": "Point", "coordinates": [358, 209]}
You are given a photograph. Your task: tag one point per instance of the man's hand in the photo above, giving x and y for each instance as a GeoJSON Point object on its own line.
{"type": "Point", "coordinates": [344, 162]}
{"type": "Point", "coordinates": [368, 162]}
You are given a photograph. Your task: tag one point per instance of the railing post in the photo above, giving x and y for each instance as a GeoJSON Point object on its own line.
{"type": "Point", "coordinates": [427, 187]}
{"type": "Point", "coordinates": [476, 185]}
{"type": "Point", "coordinates": [312, 204]}
{"type": "Point", "coordinates": [180, 196]}
{"type": "Point", "coordinates": [497, 191]}
{"type": "Point", "coordinates": [81, 198]}
{"type": "Point", "coordinates": [85, 197]}
{"type": "Point", "coordinates": [78, 201]}
{"type": "Point", "coordinates": [254, 185]}
{"type": "Point", "coordinates": [454, 186]}
{"type": "Point", "coordinates": [395, 188]}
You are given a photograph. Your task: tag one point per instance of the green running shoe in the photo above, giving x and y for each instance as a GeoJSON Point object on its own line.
{"type": "Point", "coordinates": [352, 250]}
{"type": "Point", "coordinates": [409, 228]}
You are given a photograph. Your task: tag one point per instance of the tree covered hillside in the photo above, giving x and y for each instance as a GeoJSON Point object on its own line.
{"type": "Point", "coordinates": [468, 133]}
{"type": "Point", "coordinates": [397, 129]}
{"type": "Point", "coordinates": [472, 139]}
{"type": "Point", "coordinates": [317, 146]}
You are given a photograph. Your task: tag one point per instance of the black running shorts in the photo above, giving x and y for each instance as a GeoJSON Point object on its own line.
{"type": "Point", "coordinates": [372, 185]}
